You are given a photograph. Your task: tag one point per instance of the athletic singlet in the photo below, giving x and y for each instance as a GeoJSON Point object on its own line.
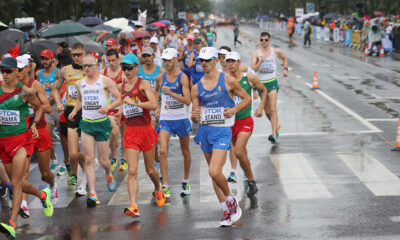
{"type": "Point", "coordinates": [157, 58]}
{"type": "Point", "coordinates": [135, 116]}
{"type": "Point", "coordinates": [49, 79]}
{"type": "Point", "coordinates": [14, 113]}
{"type": "Point", "coordinates": [174, 42]}
{"type": "Point", "coordinates": [213, 102]}
{"type": "Point", "coordinates": [71, 77]}
{"type": "Point", "coordinates": [93, 98]}
{"type": "Point", "coordinates": [244, 82]}
{"type": "Point", "coordinates": [42, 121]}
{"type": "Point", "coordinates": [151, 77]}
{"type": "Point", "coordinates": [267, 70]}
{"type": "Point", "coordinates": [186, 60]}
{"type": "Point", "coordinates": [172, 109]}
{"type": "Point", "coordinates": [117, 79]}
{"type": "Point", "coordinates": [210, 38]}
{"type": "Point", "coordinates": [197, 70]}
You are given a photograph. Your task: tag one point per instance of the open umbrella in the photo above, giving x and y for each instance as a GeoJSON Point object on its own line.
{"type": "Point", "coordinates": [117, 22]}
{"type": "Point", "coordinates": [6, 45]}
{"type": "Point", "coordinates": [103, 27]}
{"type": "Point", "coordinates": [3, 26]}
{"type": "Point", "coordinates": [127, 30]}
{"type": "Point", "coordinates": [91, 21]}
{"type": "Point", "coordinates": [14, 35]}
{"type": "Point", "coordinates": [85, 40]}
{"type": "Point", "coordinates": [66, 30]}
{"type": "Point", "coordinates": [166, 21]}
{"type": "Point", "coordinates": [378, 13]}
{"type": "Point", "coordinates": [36, 46]}
{"type": "Point", "coordinates": [141, 34]}
{"type": "Point", "coordinates": [159, 24]}
{"type": "Point", "coordinates": [330, 16]}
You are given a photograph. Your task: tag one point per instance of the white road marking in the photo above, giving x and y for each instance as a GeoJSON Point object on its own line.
{"type": "Point", "coordinates": [379, 180]}
{"type": "Point", "coordinates": [298, 178]}
{"type": "Point", "coordinates": [346, 109]}
{"type": "Point", "coordinates": [298, 76]}
{"type": "Point", "coordinates": [316, 133]}
{"type": "Point", "coordinates": [395, 218]}
{"type": "Point", "coordinates": [382, 119]}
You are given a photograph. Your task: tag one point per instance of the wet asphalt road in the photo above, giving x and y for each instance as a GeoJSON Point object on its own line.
{"type": "Point", "coordinates": [330, 176]}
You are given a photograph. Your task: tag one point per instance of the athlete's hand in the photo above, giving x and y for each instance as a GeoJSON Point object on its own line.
{"type": "Point", "coordinates": [128, 100]}
{"type": "Point", "coordinates": [104, 109]}
{"type": "Point", "coordinates": [60, 108]}
{"type": "Point", "coordinates": [258, 112]}
{"type": "Point", "coordinates": [263, 58]}
{"type": "Point", "coordinates": [255, 94]}
{"type": "Point", "coordinates": [166, 90]}
{"type": "Point", "coordinates": [285, 73]}
{"type": "Point", "coordinates": [48, 85]}
{"type": "Point", "coordinates": [196, 115]}
{"type": "Point", "coordinates": [229, 112]}
{"type": "Point", "coordinates": [35, 133]}
{"type": "Point", "coordinates": [72, 115]}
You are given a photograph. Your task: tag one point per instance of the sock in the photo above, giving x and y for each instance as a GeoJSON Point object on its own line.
{"type": "Point", "coordinates": [165, 186]}
{"type": "Point", "coordinates": [224, 206]}
{"type": "Point", "coordinates": [12, 223]}
{"type": "Point", "coordinates": [24, 203]}
{"type": "Point", "coordinates": [229, 198]}
{"type": "Point", "coordinates": [8, 185]}
{"type": "Point", "coordinates": [233, 170]}
{"type": "Point", "coordinates": [185, 180]}
{"type": "Point", "coordinates": [43, 196]}
{"type": "Point", "coordinates": [92, 192]}
{"type": "Point", "coordinates": [54, 161]}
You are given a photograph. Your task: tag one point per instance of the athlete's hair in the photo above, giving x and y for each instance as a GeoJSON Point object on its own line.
{"type": "Point", "coordinates": [226, 48]}
{"type": "Point", "coordinates": [112, 52]}
{"type": "Point", "coordinates": [263, 34]}
{"type": "Point", "coordinates": [78, 46]}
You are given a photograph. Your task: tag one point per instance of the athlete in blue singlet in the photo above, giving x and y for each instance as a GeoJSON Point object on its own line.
{"type": "Point", "coordinates": [185, 55]}
{"type": "Point", "coordinates": [194, 64]}
{"type": "Point", "coordinates": [213, 107]}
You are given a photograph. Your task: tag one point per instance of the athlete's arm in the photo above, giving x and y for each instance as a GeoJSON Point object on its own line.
{"type": "Point", "coordinates": [204, 42]}
{"type": "Point", "coordinates": [195, 104]}
{"type": "Point", "coordinates": [282, 56]}
{"type": "Point", "coordinates": [78, 103]}
{"type": "Point", "coordinates": [191, 60]}
{"type": "Point", "coordinates": [215, 34]}
{"type": "Point", "coordinates": [255, 81]}
{"type": "Point", "coordinates": [56, 90]}
{"type": "Point", "coordinates": [151, 104]}
{"type": "Point", "coordinates": [157, 91]}
{"type": "Point", "coordinates": [51, 98]}
{"type": "Point", "coordinates": [28, 95]}
{"type": "Point", "coordinates": [166, 41]}
{"type": "Point", "coordinates": [112, 88]}
{"type": "Point", "coordinates": [234, 87]}
{"type": "Point", "coordinates": [255, 62]}
{"type": "Point", "coordinates": [41, 94]}
{"type": "Point", "coordinates": [185, 89]}
{"type": "Point", "coordinates": [181, 53]}
{"type": "Point", "coordinates": [37, 74]}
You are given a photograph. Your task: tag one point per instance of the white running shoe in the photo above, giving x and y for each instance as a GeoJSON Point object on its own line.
{"type": "Point", "coordinates": [81, 191]}
{"type": "Point", "coordinates": [226, 220]}
{"type": "Point", "coordinates": [234, 209]}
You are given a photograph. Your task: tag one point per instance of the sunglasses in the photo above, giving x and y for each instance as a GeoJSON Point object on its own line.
{"type": "Point", "coordinates": [127, 67]}
{"type": "Point", "coordinates": [221, 56]}
{"type": "Point", "coordinates": [264, 40]}
{"type": "Point", "coordinates": [230, 60]}
{"type": "Point", "coordinates": [6, 70]}
{"type": "Point", "coordinates": [146, 55]}
{"type": "Point", "coordinates": [88, 65]}
{"type": "Point", "coordinates": [20, 69]}
{"type": "Point", "coordinates": [206, 60]}
{"type": "Point", "coordinates": [77, 54]}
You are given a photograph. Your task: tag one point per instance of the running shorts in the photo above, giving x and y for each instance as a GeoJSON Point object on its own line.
{"type": "Point", "coordinates": [100, 129]}
{"type": "Point", "coordinates": [270, 85]}
{"type": "Point", "coordinates": [180, 127]}
{"type": "Point", "coordinates": [53, 117]}
{"type": "Point", "coordinates": [43, 142]}
{"type": "Point", "coordinates": [242, 125]}
{"type": "Point", "coordinates": [211, 138]}
{"type": "Point", "coordinates": [141, 138]}
{"type": "Point", "coordinates": [9, 146]}
{"type": "Point", "coordinates": [63, 129]}
{"type": "Point", "coordinates": [77, 119]}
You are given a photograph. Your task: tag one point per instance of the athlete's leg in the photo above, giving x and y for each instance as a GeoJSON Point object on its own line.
{"type": "Point", "coordinates": [44, 167]}
{"type": "Point", "coordinates": [102, 149]}
{"type": "Point", "coordinates": [114, 140]}
{"type": "Point", "coordinates": [272, 96]}
{"type": "Point", "coordinates": [220, 194]}
{"type": "Point", "coordinates": [187, 158]}
{"type": "Point", "coordinates": [88, 146]}
{"type": "Point", "coordinates": [164, 137]}
{"type": "Point", "coordinates": [73, 148]}
{"type": "Point", "coordinates": [122, 130]}
{"type": "Point", "coordinates": [154, 124]}
{"type": "Point", "coordinates": [241, 154]}
{"type": "Point", "coordinates": [133, 160]}
{"type": "Point", "coordinates": [216, 164]}
{"type": "Point", "coordinates": [232, 158]}
{"type": "Point", "coordinates": [64, 146]}
{"type": "Point", "coordinates": [50, 128]}
{"type": "Point", "coordinates": [151, 170]}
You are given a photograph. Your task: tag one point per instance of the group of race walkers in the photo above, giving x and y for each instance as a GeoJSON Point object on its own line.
{"type": "Point", "coordinates": [143, 97]}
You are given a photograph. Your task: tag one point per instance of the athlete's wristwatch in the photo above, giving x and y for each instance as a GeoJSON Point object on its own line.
{"type": "Point", "coordinates": [35, 122]}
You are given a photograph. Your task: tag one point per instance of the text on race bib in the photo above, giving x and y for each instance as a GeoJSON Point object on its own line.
{"type": "Point", "coordinates": [72, 92]}
{"type": "Point", "coordinates": [212, 116]}
{"type": "Point", "coordinates": [267, 67]}
{"type": "Point", "coordinates": [91, 102]}
{"type": "Point", "coordinates": [198, 67]}
{"type": "Point", "coordinates": [131, 111]}
{"type": "Point", "coordinates": [9, 118]}
{"type": "Point", "coordinates": [172, 103]}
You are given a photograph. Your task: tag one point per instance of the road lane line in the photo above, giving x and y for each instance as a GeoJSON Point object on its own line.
{"type": "Point", "coordinates": [382, 119]}
{"type": "Point", "coordinates": [346, 109]}
{"type": "Point", "coordinates": [298, 178]}
{"type": "Point", "coordinates": [378, 179]}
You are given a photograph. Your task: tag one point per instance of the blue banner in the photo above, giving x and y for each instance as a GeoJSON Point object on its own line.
{"type": "Point", "coordinates": [315, 31]}
{"type": "Point", "coordinates": [347, 37]}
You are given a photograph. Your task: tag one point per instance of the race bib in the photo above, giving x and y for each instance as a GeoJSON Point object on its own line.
{"type": "Point", "coordinates": [172, 103]}
{"type": "Point", "coordinates": [237, 100]}
{"type": "Point", "coordinates": [198, 67]}
{"type": "Point", "coordinates": [72, 92]}
{"type": "Point", "coordinates": [267, 67]}
{"type": "Point", "coordinates": [131, 111]}
{"type": "Point", "coordinates": [91, 102]}
{"type": "Point", "coordinates": [9, 118]}
{"type": "Point", "coordinates": [212, 116]}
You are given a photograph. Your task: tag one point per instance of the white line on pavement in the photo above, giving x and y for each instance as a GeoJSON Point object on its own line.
{"type": "Point", "coordinates": [382, 119]}
{"type": "Point", "coordinates": [346, 109]}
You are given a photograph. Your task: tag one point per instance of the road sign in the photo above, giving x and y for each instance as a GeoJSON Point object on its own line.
{"type": "Point", "coordinates": [299, 12]}
{"type": "Point", "coordinates": [182, 15]}
{"type": "Point", "coordinates": [310, 7]}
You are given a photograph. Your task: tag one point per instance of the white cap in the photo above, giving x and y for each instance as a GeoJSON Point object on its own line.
{"type": "Point", "coordinates": [28, 56]}
{"type": "Point", "coordinates": [22, 61]}
{"type": "Point", "coordinates": [233, 55]}
{"type": "Point", "coordinates": [172, 28]}
{"type": "Point", "coordinates": [208, 53]}
{"type": "Point", "coordinates": [192, 25]}
{"type": "Point", "coordinates": [196, 31]}
{"type": "Point", "coordinates": [223, 51]}
{"type": "Point", "coordinates": [7, 55]}
{"type": "Point", "coordinates": [153, 39]}
{"type": "Point", "coordinates": [169, 54]}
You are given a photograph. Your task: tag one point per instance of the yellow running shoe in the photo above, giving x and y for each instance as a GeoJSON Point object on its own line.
{"type": "Point", "coordinates": [123, 166]}
{"type": "Point", "coordinates": [92, 200]}
{"type": "Point", "coordinates": [8, 230]}
{"type": "Point", "coordinates": [47, 206]}
{"type": "Point", "coordinates": [113, 164]}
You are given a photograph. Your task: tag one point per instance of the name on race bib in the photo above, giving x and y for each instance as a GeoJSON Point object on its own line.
{"type": "Point", "coordinates": [9, 118]}
{"type": "Point", "coordinates": [237, 100]}
{"type": "Point", "coordinates": [198, 67]}
{"type": "Point", "coordinates": [212, 116]}
{"type": "Point", "coordinates": [267, 67]}
{"type": "Point", "coordinates": [72, 92]}
{"type": "Point", "coordinates": [131, 111]}
{"type": "Point", "coordinates": [172, 103]}
{"type": "Point", "coordinates": [91, 103]}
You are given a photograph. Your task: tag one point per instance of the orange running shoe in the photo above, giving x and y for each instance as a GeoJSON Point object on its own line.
{"type": "Point", "coordinates": [132, 211]}
{"type": "Point", "coordinates": [160, 197]}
